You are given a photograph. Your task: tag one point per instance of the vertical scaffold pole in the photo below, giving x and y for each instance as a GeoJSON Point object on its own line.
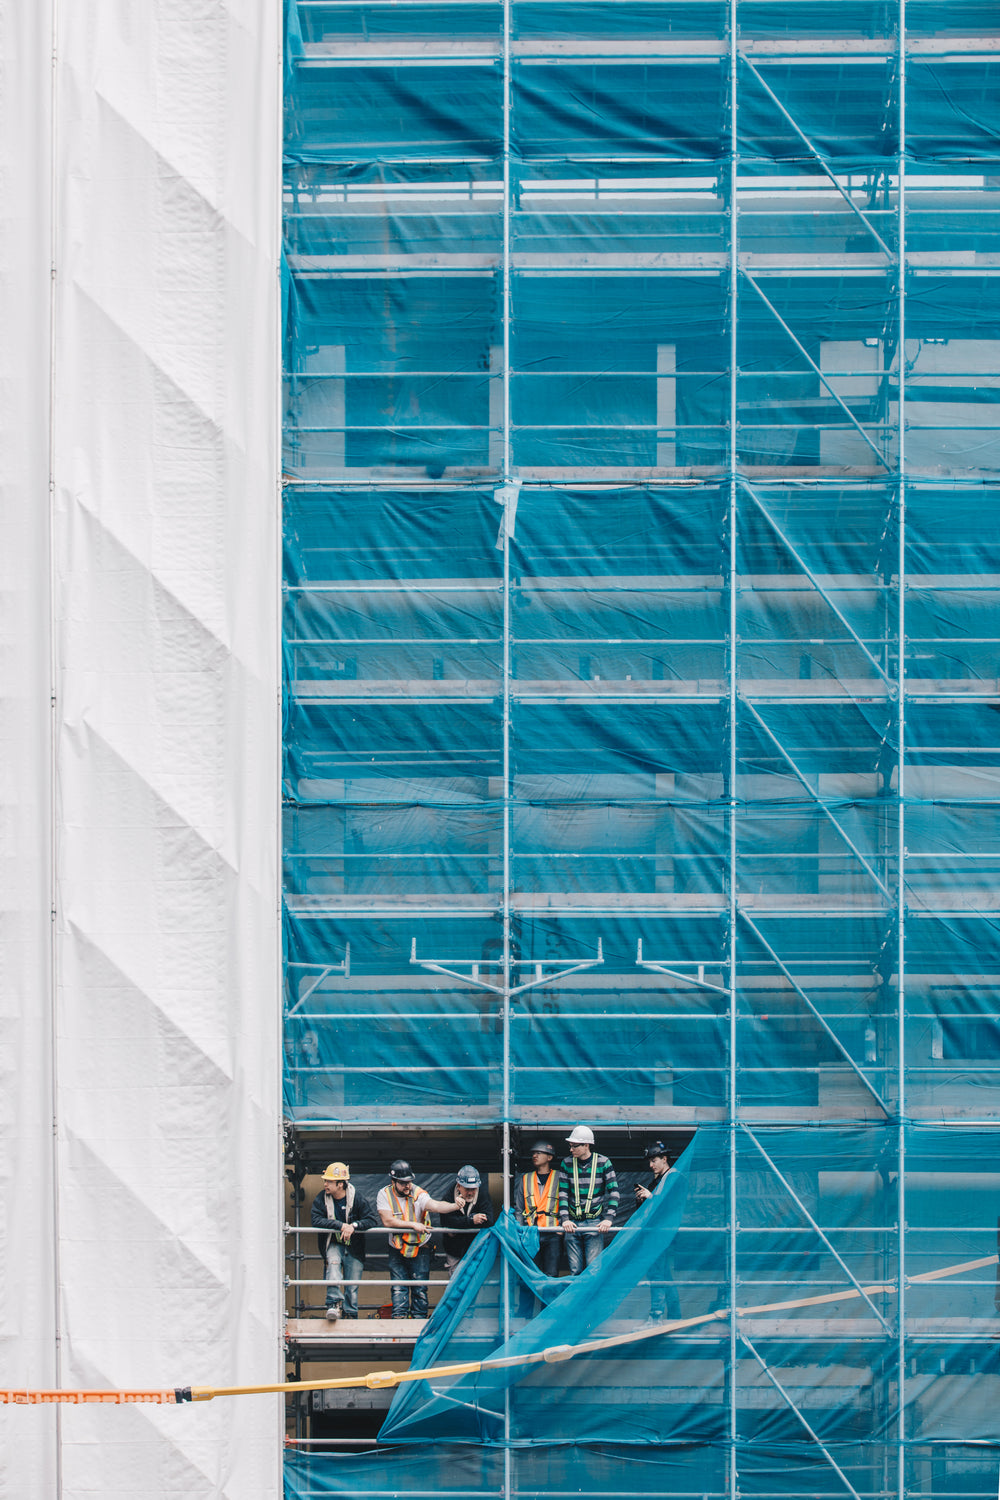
{"type": "Point", "coordinates": [733, 513]}
{"type": "Point", "coordinates": [504, 1269]}
{"type": "Point", "coordinates": [901, 759]}
{"type": "Point", "coordinates": [506, 588]}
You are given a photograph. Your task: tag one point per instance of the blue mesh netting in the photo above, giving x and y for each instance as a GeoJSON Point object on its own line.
{"type": "Point", "coordinates": [816, 1210]}
{"type": "Point", "coordinates": [708, 728]}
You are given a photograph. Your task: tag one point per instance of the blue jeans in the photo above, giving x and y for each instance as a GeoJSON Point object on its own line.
{"type": "Point", "coordinates": [409, 1301]}
{"type": "Point", "coordinates": [583, 1246]}
{"type": "Point", "coordinates": [341, 1265]}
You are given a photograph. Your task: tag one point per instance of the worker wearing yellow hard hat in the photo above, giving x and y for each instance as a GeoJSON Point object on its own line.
{"type": "Point", "coordinates": [341, 1211]}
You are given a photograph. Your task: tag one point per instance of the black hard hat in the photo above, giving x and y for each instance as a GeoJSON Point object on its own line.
{"type": "Point", "coordinates": [655, 1148]}
{"type": "Point", "coordinates": [545, 1146]}
{"type": "Point", "coordinates": [401, 1171]}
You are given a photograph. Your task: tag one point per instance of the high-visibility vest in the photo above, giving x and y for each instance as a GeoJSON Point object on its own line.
{"type": "Point", "coordinates": [585, 1212]}
{"type": "Point", "coordinates": [408, 1241]}
{"type": "Point", "coordinates": [540, 1207]}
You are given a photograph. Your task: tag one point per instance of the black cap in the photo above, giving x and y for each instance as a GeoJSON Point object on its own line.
{"type": "Point", "coordinates": [656, 1148]}
{"type": "Point", "coordinates": [401, 1171]}
{"type": "Point", "coordinates": [545, 1146]}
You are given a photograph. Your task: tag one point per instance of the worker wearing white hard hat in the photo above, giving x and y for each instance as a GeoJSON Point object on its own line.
{"type": "Point", "coordinates": [588, 1199]}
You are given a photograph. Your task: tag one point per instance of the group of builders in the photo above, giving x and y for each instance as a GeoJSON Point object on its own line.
{"type": "Point", "coordinates": [572, 1204]}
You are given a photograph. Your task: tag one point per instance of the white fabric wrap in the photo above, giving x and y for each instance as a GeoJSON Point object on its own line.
{"type": "Point", "coordinates": [148, 1228]}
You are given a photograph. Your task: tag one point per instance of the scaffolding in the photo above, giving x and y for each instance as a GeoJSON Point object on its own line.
{"type": "Point", "coordinates": [642, 673]}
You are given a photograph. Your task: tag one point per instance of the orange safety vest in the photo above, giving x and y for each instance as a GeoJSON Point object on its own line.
{"type": "Point", "coordinates": [540, 1207]}
{"type": "Point", "coordinates": [408, 1241]}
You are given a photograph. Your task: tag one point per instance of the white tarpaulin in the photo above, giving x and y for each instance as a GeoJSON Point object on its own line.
{"type": "Point", "coordinates": [155, 1247]}
{"type": "Point", "coordinates": [27, 1282]}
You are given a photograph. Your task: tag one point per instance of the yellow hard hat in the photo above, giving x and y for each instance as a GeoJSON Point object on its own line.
{"type": "Point", "coordinates": [337, 1171]}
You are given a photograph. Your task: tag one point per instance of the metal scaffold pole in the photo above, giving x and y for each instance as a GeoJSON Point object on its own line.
{"type": "Point", "coordinates": [506, 512]}
{"type": "Point", "coordinates": [732, 631]}
{"type": "Point", "coordinates": [901, 761]}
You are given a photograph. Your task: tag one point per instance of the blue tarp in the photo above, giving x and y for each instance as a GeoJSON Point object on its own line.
{"type": "Point", "coordinates": [573, 1308]}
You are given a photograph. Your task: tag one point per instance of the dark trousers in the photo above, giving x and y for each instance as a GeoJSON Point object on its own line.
{"type": "Point", "coordinates": [663, 1298]}
{"type": "Point", "coordinates": [550, 1244]}
{"type": "Point", "coordinates": [409, 1301]}
{"type": "Point", "coordinates": [547, 1260]}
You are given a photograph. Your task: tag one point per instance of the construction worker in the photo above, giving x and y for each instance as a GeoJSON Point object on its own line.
{"type": "Point", "coordinates": [405, 1207]}
{"type": "Point", "coordinates": [342, 1210]}
{"type": "Point", "coordinates": [588, 1199]}
{"type": "Point", "coordinates": [664, 1301]}
{"type": "Point", "coordinates": [536, 1202]}
{"type": "Point", "coordinates": [475, 1212]}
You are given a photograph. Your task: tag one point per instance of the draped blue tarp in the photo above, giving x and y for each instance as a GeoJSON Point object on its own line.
{"type": "Point", "coordinates": [575, 1308]}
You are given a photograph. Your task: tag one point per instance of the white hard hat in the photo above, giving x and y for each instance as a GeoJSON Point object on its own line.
{"type": "Point", "coordinates": [581, 1135]}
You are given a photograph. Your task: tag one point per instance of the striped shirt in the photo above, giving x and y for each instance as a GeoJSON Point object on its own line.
{"type": "Point", "coordinates": [588, 1190]}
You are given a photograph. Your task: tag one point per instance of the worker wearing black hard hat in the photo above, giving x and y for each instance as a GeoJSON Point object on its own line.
{"type": "Point", "coordinates": [536, 1203]}
{"type": "Point", "coordinates": [406, 1208]}
{"type": "Point", "coordinates": [664, 1301]}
